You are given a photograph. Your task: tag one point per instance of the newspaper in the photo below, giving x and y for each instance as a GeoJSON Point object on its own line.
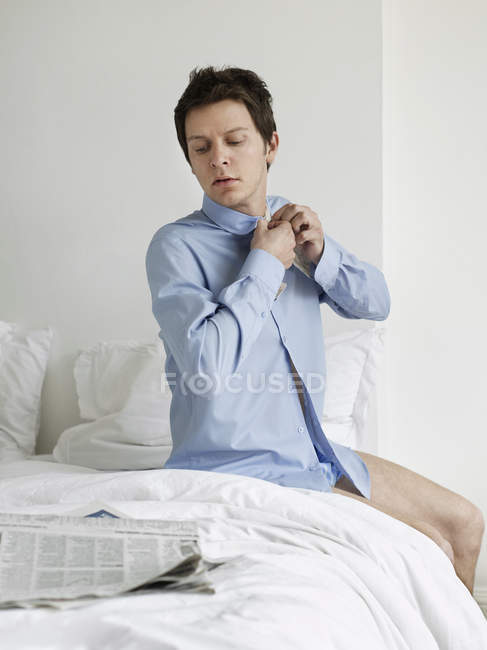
{"type": "Point", "coordinates": [95, 552]}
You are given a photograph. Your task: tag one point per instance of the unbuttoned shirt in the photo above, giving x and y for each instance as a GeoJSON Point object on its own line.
{"type": "Point", "coordinates": [238, 350]}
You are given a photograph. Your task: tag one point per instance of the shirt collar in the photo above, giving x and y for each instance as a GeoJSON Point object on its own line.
{"type": "Point", "coordinates": [230, 220]}
{"type": "Point", "coordinates": [240, 223]}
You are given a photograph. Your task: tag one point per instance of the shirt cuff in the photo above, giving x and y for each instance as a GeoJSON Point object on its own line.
{"type": "Point", "coordinates": [265, 266]}
{"type": "Point", "coordinates": [326, 272]}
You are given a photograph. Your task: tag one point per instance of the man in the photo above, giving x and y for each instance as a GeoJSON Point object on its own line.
{"type": "Point", "coordinates": [238, 296]}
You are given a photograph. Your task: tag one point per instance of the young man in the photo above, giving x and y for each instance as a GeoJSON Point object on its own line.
{"type": "Point", "coordinates": [237, 298]}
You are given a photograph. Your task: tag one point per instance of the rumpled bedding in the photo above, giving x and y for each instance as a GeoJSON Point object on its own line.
{"type": "Point", "coordinates": [301, 570]}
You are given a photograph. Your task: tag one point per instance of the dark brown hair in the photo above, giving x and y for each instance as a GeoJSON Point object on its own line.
{"type": "Point", "coordinates": [209, 85]}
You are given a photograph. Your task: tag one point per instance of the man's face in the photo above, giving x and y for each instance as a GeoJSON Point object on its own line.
{"type": "Point", "coordinates": [240, 154]}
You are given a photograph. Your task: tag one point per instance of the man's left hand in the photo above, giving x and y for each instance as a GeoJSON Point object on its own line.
{"type": "Point", "coordinates": [307, 228]}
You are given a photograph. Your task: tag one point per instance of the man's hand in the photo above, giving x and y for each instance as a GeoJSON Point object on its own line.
{"type": "Point", "coordinates": [306, 226]}
{"type": "Point", "coordinates": [278, 241]}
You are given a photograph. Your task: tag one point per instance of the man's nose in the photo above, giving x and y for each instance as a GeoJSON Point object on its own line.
{"type": "Point", "coordinates": [219, 155]}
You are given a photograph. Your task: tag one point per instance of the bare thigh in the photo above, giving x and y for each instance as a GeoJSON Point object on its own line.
{"type": "Point", "coordinates": [408, 496]}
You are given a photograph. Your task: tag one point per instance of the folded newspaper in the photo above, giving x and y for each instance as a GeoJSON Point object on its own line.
{"type": "Point", "coordinates": [67, 561]}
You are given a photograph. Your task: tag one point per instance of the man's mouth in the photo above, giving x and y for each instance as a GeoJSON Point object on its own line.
{"type": "Point", "coordinates": [225, 181]}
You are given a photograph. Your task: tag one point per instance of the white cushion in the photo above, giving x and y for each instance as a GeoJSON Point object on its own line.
{"type": "Point", "coordinates": [121, 387]}
{"type": "Point", "coordinates": [110, 371]}
{"type": "Point", "coordinates": [23, 361]}
{"type": "Point", "coordinates": [352, 361]}
{"type": "Point", "coordinates": [117, 441]}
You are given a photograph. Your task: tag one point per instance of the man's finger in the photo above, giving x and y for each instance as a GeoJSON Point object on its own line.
{"type": "Point", "coordinates": [276, 224]}
{"type": "Point", "coordinates": [277, 215]}
{"type": "Point", "coordinates": [302, 237]}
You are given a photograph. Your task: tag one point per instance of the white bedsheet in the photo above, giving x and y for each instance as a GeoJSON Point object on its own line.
{"type": "Point", "coordinates": [303, 570]}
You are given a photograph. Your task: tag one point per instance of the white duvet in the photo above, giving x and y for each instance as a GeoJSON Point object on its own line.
{"type": "Point", "coordinates": [302, 570]}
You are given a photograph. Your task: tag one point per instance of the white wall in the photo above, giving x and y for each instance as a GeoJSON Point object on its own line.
{"type": "Point", "coordinates": [435, 235]}
{"type": "Point", "coordinates": [90, 165]}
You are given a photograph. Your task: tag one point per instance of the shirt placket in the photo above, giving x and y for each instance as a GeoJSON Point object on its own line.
{"type": "Point", "coordinates": [316, 436]}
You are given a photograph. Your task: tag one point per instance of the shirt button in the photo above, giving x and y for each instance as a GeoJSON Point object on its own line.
{"type": "Point", "coordinates": [300, 429]}
{"type": "Point", "coordinates": [262, 313]}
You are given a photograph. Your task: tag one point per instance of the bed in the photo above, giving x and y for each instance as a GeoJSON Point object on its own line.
{"type": "Point", "coordinates": [296, 568]}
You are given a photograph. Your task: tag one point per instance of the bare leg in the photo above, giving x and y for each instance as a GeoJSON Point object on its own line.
{"type": "Point", "coordinates": [452, 521]}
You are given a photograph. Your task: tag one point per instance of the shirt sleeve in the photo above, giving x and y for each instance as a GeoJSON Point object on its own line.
{"type": "Point", "coordinates": [209, 335]}
{"type": "Point", "coordinates": [351, 287]}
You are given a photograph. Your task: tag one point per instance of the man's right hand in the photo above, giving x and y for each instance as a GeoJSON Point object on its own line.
{"type": "Point", "coordinates": [279, 240]}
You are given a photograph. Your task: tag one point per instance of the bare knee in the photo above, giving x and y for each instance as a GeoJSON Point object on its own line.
{"type": "Point", "coordinates": [434, 534]}
{"type": "Point", "coordinates": [447, 548]}
{"type": "Point", "coordinates": [467, 526]}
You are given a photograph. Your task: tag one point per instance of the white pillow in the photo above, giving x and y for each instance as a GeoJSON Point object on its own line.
{"type": "Point", "coordinates": [23, 361]}
{"type": "Point", "coordinates": [352, 364]}
{"type": "Point", "coordinates": [110, 371]}
{"type": "Point", "coordinates": [115, 442]}
{"type": "Point", "coordinates": [119, 388]}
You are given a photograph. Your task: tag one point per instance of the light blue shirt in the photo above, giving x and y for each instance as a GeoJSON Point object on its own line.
{"type": "Point", "coordinates": [228, 340]}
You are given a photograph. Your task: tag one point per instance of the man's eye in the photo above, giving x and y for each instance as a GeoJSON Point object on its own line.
{"type": "Point", "coordinates": [204, 148]}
